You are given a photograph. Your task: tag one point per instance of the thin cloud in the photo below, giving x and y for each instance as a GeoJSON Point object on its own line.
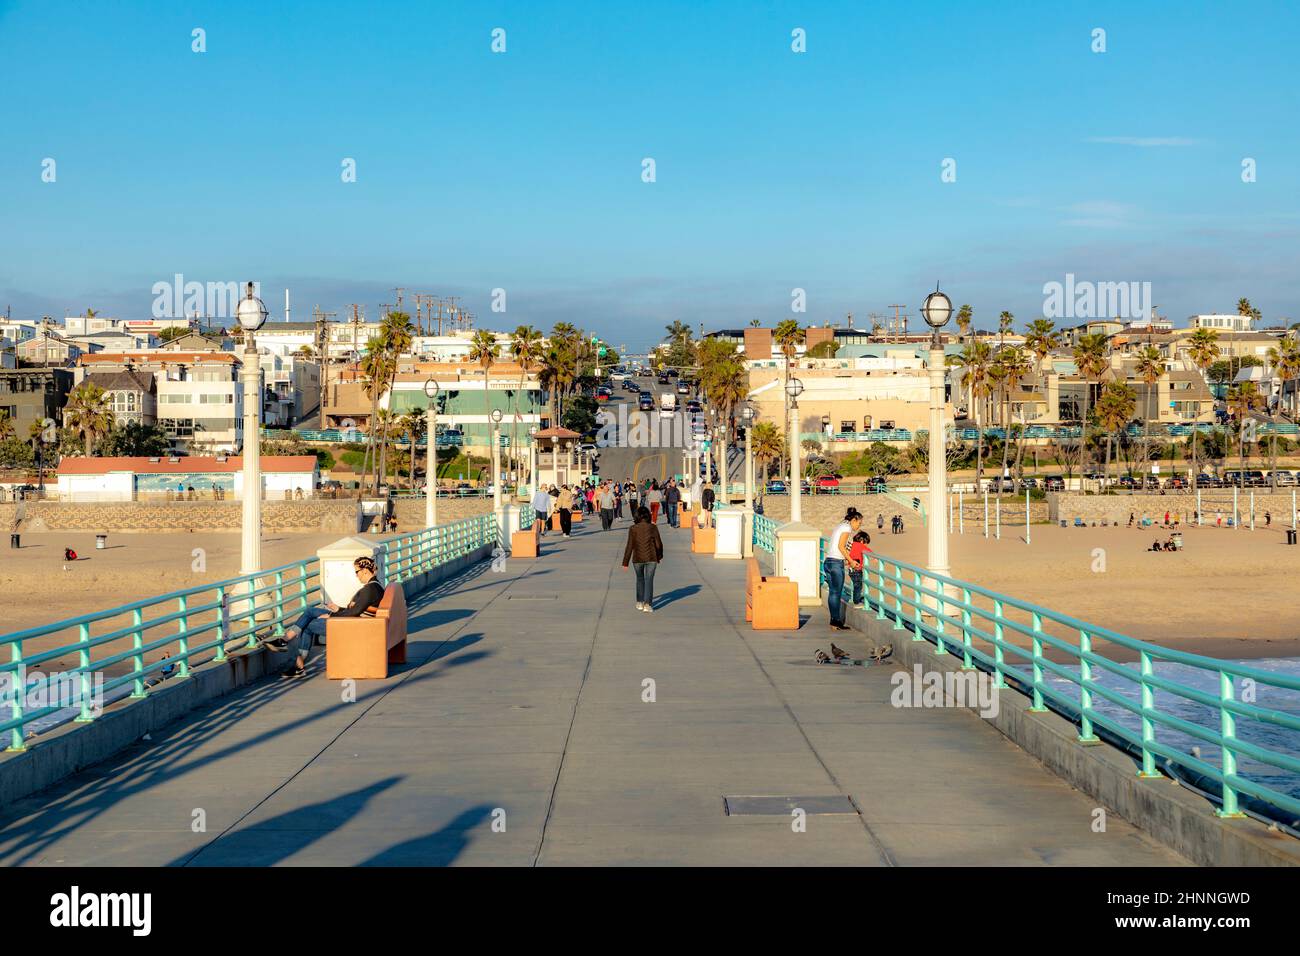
{"type": "Point", "coordinates": [1143, 141]}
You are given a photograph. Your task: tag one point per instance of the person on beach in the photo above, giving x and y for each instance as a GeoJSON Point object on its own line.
{"type": "Point", "coordinates": [837, 553]}
{"type": "Point", "coordinates": [311, 624]}
{"type": "Point", "coordinates": [644, 551]}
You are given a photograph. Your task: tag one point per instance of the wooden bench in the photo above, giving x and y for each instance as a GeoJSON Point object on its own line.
{"type": "Point", "coordinates": [361, 648]}
{"type": "Point", "coordinates": [771, 603]}
{"type": "Point", "coordinates": [524, 544]}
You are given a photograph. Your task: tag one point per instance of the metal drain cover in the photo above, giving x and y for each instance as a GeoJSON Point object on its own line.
{"type": "Point", "coordinates": [749, 806]}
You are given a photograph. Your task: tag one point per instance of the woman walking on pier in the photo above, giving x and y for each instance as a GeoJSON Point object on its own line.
{"type": "Point", "coordinates": [644, 550]}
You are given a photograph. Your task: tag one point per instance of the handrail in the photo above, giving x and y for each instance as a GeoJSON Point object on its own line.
{"type": "Point", "coordinates": [145, 642]}
{"type": "Point", "coordinates": [974, 621]}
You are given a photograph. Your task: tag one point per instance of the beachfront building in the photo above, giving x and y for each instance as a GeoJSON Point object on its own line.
{"type": "Point", "coordinates": [132, 394]}
{"type": "Point", "coordinates": [49, 348]}
{"type": "Point", "coordinates": [30, 395]}
{"type": "Point", "coordinates": [1221, 322]}
{"type": "Point", "coordinates": [199, 396]}
{"type": "Point", "coordinates": [284, 477]}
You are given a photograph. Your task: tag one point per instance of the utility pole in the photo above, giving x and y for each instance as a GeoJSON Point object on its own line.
{"type": "Point", "coordinates": [399, 290]}
{"type": "Point", "coordinates": [323, 351]}
{"type": "Point", "coordinates": [899, 323]}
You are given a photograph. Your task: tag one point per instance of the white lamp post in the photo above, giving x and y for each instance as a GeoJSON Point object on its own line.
{"type": "Point", "coordinates": [794, 388]}
{"type": "Point", "coordinates": [936, 310]}
{"type": "Point", "coordinates": [251, 315]}
{"type": "Point", "coordinates": [532, 458]}
{"type": "Point", "coordinates": [431, 455]}
{"type": "Point", "coordinates": [496, 459]}
{"type": "Point", "coordinates": [748, 414]}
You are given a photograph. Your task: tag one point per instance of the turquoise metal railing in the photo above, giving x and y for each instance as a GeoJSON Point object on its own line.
{"type": "Point", "coordinates": [765, 533]}
{"type": "Point", "coordinates": [410, 554]}
{"type": "Point", "coordinates": [138, 644]}
{"type": "Point", "coordinates": [198, 625]}
{"type": "Point", "coordinates": [976, 623]}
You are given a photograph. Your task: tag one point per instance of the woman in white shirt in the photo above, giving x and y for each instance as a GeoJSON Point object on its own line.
{"type": "Point", "coordinates": [837, 553]}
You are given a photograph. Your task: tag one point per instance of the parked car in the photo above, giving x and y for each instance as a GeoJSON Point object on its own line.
{"type": "Point", "coordinates": [1175, 483]}
{"type": "Point", "coordinates": [1285, 479]}
{"type": "Point", "coordinates": [1053, 483]}
{"type": "Point", "coordinates": [776, 487]}
{"type": "Point", "coordinates": [828, 485]}
{"type": "Point", "coordinates": [1128, 482]}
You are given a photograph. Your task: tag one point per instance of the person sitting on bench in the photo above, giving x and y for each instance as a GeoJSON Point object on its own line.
{"type": "Point", "coordinates": [311, 624]}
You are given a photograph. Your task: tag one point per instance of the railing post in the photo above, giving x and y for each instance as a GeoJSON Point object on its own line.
{"type": "Point", "coordinates": [1148, 725]}
{"type": "Point", "coordinates": [897, 575]}
{"type": "Point", "coordinates": [880, 588]}
{"type": "Point", "coordinates": [1228, 731]}
{"type": "Point", "coordinates": [183, 635]}
{"type": "Point", "coordinates": [17, 689]}
{"type": "Point", "coordinates": [999, 680]}
{"type": "Point", "coordinates": [83, 661]}
{"type": "Point", "coordinates": [279, 603]}
{"type": "Point", "coordinates": [941, 613]}
{"type": "Point", "coordinates": [1037, 643]}
{"type": "Point", "coordinates": [966, 662]}
{"type": "Point", "coordinates": [916, 607]}
{"type": "Point", "coordinates": [223, 624]}
{"type": "Point", "coordinates": [137, 659]}
{"type": "Point", "coordinates": [1086, 736]}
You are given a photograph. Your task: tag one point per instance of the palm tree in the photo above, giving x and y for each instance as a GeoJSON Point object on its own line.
{"type": "Point", "coordinates": [526, 348]}
{"type": "Point", "coordinates": [413, 423]}
{"type": "Point", "coordinates": [1203, 348]}
{"type": "Point", "coordinates": [89, 413]}
{"type": "Point", "coordinates": [1245, 308]}
{"type": "Point", "coordinates": [1091, 362]}
{"type": "Point", "coordinates": [965, 315]}
{"type": "Point", "coordinates": [768, 444]}
{"type": "Point", "coordinates": [1150, 368]}
{"type": "Point", "coordinates": [1285, 359]}
{"type": "Point", "coordinates": [788, 336]}
{"type": "Point", "coordinates": [1015, 364]}
{"type": "Point", "coordinates": [976, 359]}
{"type": "Point", "coordinates": [1115, 408]}
{"type": "Point", "coordinates": [1242, 398]}
{"type": "Point", "coordinates": [484, 350]}
{"type": "Point", "coordinates": [1042, 339]}
{"type": "Point", "coordinates": [375, 366]}
{"type": "Point", "coordinates": [396, 333]}
{"type": "Point", "coordinates": [725, 382]}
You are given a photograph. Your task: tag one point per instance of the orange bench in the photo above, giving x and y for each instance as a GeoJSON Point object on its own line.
{"type": "Point", "coordinates": [771, 603]}
{"type": "Point", "coordinates": [523, 544]}
{"type": "Point", "coordinates": [703, 540]}
{"type": "Point", "coordinates": [361, 648]}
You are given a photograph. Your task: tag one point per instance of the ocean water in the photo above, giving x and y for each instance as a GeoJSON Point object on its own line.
{"type": "Point", "coordinates": [1265, 735]}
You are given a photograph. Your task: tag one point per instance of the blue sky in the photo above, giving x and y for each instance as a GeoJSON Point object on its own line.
{"type": "Point", "coordinates": [775, 170]}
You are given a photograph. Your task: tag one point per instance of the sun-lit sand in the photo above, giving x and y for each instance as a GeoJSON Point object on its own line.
{"type": "Point", "coordinates": [1226, 594]}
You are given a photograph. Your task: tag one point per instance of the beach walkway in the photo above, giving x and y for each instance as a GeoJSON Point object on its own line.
{"type": "Point", "coordinates": [522, 732]}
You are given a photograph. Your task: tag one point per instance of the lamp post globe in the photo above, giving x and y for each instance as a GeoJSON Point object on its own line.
{"type": "Point", "coordinates": [431, 390]}
{"type": "Point", "coordinates": [937, 310]}
{"type": "Point", "coordinates": [251, 314]}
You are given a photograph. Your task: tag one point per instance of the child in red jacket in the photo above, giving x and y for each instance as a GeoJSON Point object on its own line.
{"type": "Point", "coordinates": [857, 551]}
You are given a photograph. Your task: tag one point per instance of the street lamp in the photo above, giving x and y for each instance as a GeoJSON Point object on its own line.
{"type": "Point", "coordinates": [251, 315]}
{"type": "Point", "coordinates": [936, 310]}
{"type": "Point", "coordinates": [748, 414]}
{"type": "Point", "coordinates": [431, 455]}
{"type": "Point", "coordinates": [794, 388]}
{"type": "Point", "coordinates": [532, 458]}
{"type": "Point", "coordinates": [496, 459]}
